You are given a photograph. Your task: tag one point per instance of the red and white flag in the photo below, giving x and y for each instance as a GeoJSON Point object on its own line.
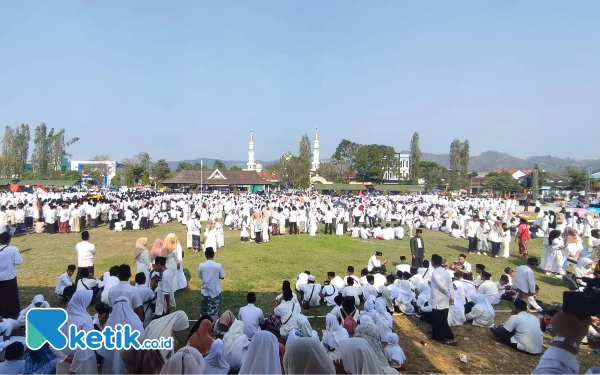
{"type": "Point", "coordinates": [40, 189]}
{"type": "Point", "coordinates": [362, 196]}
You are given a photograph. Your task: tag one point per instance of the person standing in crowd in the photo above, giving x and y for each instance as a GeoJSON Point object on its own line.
{"type": "Point", "coordinates": [442, 293]}
{"type": "Point", "coordinates": [472, 227]}
{"type": "Point", "coordinates": [523, 237]}
{"type": "Point", "coordinates": [10, 257]}
{"type": "Point", "coordinates": [417, 250]}
{"type": "Point", "coordinates": [211, 274]}
{"type": "Point", "coordinates": [85, 254]}
{"type": "Point", "coordinates": [165, 292]}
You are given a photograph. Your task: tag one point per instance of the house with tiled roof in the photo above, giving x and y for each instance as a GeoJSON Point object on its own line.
{"type": "Point", "coordinates": [516, 173]}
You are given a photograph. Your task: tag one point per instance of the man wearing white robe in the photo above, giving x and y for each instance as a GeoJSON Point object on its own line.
{"type": "Point", "coordinates": [489, 289]}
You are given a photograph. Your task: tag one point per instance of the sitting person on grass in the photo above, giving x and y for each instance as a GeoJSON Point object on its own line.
{"type": "Point", "coordinates": [521, 331]}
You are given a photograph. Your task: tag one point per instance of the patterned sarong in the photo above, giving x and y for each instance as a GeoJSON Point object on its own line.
{"type": "Point", "coordinates": [211, 306]}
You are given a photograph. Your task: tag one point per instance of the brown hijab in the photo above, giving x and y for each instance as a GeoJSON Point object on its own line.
{"type": "Point", "coordinates": [225, 322]}
{"type": "Point", "coordinates": [571, 237]}
{"type": "Point", "coordinates": [169, 244]}
{"type": "Point", "coordinates": [156, 248]}
{"type": "Point", "coordinates": [202, 338]}
{"type": "Point", "coordinates": [140, 246]}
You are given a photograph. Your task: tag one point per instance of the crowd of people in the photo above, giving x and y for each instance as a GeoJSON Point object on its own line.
{"type": "Point", "coordinates": [359, 335]}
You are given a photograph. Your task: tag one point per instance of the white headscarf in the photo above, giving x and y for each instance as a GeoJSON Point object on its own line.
{"type": "Point", "coordinates": [215, 361]}
{"type": "Point", "coordinates": [333, 334]}
{"type": "Point", "coordinates": [122, 313]}
{"type": "Point", "coordinates": [304, 326]}
{"type": "Point", "coordinates": [165, 326]}
{"type": "Point", "coordinates": [480, 299]}
{"type": "Point", "coordinates": [78, 316]}
{"type": "Point", "coordinates": [306, 356]}
{"type": "Point", "coordinates": [582, 263]}
{"type": "Point", "coordinates": [416, 281]}
{"type": "Point", "coordinates": [262, 356]}
{"type": "Point", "coordinates": [370, 308]}
{"type": "Point", "coordinates": [387, 298]}
{"type": "Point", "coordinates": [383, 315]}
{"type": "Point", "coordinates": [37, 299]}
{"type": "Point", "coordinates": [405, 294]}
{"type": "Point", "coordinates": [187, 360]}
{"type": "Point", "coordinates": [358, 357]}
{"type": "Point", "coordinates": [425, 295]}
{"type": "Point", "coordinates": [393, 351]}
{"type": "Point", "coordinates": [234, 335]}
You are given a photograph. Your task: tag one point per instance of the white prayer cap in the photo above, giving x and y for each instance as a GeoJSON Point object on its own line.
{"type": "Point", "coordinates": [311, 278]}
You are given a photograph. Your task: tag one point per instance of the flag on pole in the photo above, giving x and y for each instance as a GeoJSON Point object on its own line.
{"type": "Point", "coordinates": [40, 189]}
{"type": "Point", "coordinates": [362, 196]}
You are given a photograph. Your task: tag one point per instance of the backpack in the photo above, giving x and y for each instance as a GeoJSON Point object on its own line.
{"type": "Point", "coordinates": [349, 323]}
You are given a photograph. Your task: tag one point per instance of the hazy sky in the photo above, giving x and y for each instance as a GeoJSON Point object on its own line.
{"type": "Point", "coordinates": [186, 79]}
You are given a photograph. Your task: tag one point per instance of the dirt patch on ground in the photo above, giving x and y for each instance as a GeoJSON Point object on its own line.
{"type": "Point", "coordinates": [484, 354]}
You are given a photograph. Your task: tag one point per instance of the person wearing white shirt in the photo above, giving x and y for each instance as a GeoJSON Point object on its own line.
{"type": "Point", "coordinates": [328, 221]}
{"type": "Point", "coordinates": [379, 279]}
{"type": "Point", "coordinates": [293, 221]}
{"type": "Point", "coordinates": [363, 232]}
{"type": "Point", "coordinates": [352, 290]}
{"type": "Point", "coordinates": [521, 331]}
{"type": "Point", "coordinates": [404, 266]}
{"type": "Point", "coordinates": [398, 232]}
{"type": "Point", "coordinates": [351, 276]}
{"type": "Point", "coordinates": [109, 280]}
{"type": "Point", "coordinates": [489, 289]}
{"type": "Point", "coordinates": [211, 274]}
{"type": "Point", "coordinates": [301, 280]}
{"type": "Point", "coordinates": [525, 283]}
{"type": "Point", "coordinates": [471, 233]}
{"type": "Point", "coordinates": [146, 295]}
{"type": "Point", "coordinates": [328, 293]}
{"type": "Point", "coordinates": [336, 281]}
{"type": "Point", "coordinates": [87, 283]}
{"type": "Point", "coordinates": [375, 261]}
{"type": "Point", "coordinates": [85, 254]}
{"type": "Point", "coordinates": [311, 292]}
{"type": "Point", "coordinates": [464, 267]}
{"type": "Point", "coordinates": [128, 219]}
{"type": "Point", "coordinates": [64, 281]}
{"type": "Point", "coordinates": [442, 294]}
{"type": "Point", "coordinates": [124, 289]}
{"type": "Point", "coordinates": [368, 289]}
{"type": "Point", "coordinates": [165, 292]}
{"type": "Point", "coordinates": [287, 311]}
{"type": "Point", "coordinates": [10, 257]}
{"type": "Point", "coordinates": [251, 316]}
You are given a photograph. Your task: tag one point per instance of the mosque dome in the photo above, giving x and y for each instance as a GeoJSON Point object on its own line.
{"type": "Point", "coordinates": [258, 167]}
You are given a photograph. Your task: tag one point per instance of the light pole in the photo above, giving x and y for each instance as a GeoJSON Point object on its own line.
{"type": "Point", "coordinates": [201, 180]}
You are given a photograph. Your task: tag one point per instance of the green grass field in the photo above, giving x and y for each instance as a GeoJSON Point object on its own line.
{"type": "Point", "coordinates": [262, 268]}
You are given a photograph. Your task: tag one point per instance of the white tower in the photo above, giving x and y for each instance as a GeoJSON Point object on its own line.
{"type": "Point", "coordinates": [316, 162]}
{"type": "Point", "coordinates": [251, 164]}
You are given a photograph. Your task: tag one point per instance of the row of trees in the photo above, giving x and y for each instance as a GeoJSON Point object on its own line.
{"type": "Point", "coordinates": [459, 164]}
{"type": "Point", "coordinates": [50, 148]}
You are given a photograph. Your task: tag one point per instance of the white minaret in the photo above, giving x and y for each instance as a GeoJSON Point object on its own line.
{"type": "Point", "coordinates": [251, 164]}
{"type": "Point", "coordinates": [316, 162]}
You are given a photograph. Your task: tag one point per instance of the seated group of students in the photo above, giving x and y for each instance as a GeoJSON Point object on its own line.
{"type": "Point", "coordinates": [381, 233]}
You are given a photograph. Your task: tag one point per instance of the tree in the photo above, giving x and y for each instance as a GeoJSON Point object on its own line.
{"type": "Point", "coordinates": [49, 150]}
{"type": "Point", "coordinates": [343, 158]}
{"type": "Point", "coordinates": [455, 164]}
{"type": "Point", "coordinates": [235, 168]}
{"type": "Point", "coordinates": [329, 171]}
{"type": "Point", "coordinates": [369, 162]}
{"type": "Point", "coordinates": [7, 152]}
{"type": "Point", "coordinates": [502, 182]}
{"type": "Point", "coordinates": [219, 165]}
{"type": "Point", "coordinates": [134, 175]}
{"type": "Point", "coordinates": [70, 175]}
{"type": "Point", "coordinates": [145, 177]}
{"type": "Point", "coordinates": [161, 170]}
{"type": "Point", "coordinates": [577, 177]}
{"type": "Point", "coordinates": [305, 154]}
{"type": "Point", "coordinates": [187, 166]}
{"type": "Point", "coordinates": [415, 158]}
{"type": "Point", "coordinates": [464, 164]}
{"type": "Point", "coordinates": [433, 173]}
{"type": "Point", "coordinates": [116, 180]}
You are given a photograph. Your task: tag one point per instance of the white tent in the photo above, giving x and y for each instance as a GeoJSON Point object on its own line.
{"type": "Point", "coordinates": [595, 176]}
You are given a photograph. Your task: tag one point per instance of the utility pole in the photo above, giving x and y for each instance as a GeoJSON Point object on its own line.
{"type": "Point", "coordinates": [201, 180]}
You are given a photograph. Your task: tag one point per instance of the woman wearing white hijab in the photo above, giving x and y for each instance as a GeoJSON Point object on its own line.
{"type": "Point", "coordinates": [305, 356]}
{"type": "Point", "coordinates": [303, 329]}
{"type": "Point", "coordinates": [368, 331]}
{"type": "Point", "coordinates": [386, 296]}
{"type": "Point", "coordinates": [370, 309]}
{"type": "Point", "coordinates": [215, 361]}
{"type": "Point", "coordinates": [406, 297]}
{"type": "Point", "coordinates": [121, 314]}
{"type": "Point", "coordinates": [456, 315]}
{"type": "Point", "coordinates": [384, 319]}
{"type": "Point", "coordinates": [187, 360]}
{"type": "Point", "coordinates": [236, 345]}
{"type": "Point", "coordinates": [394, 353]}
{"type": "Point", "coordinates": [164, 327]}
{"type": "Point", "coordinates": [583, 269]}
{"type": "Point", "coordinates": [358, 358]}
{"type": "Point", "coordinates": [262, 356]}
{"type": "Point", "coordinates": [82, 361]}
{"type": "Point", "coordinates": [482, 314]}
{"type": "Point", "coordinates": [7, 325]}
{"type": "Point", "coordinates": [332, 336]}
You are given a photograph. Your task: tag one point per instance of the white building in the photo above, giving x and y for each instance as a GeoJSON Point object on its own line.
{"type": "Point", "coordinates": [252, 165]}
{"type": "Point", "coordinates": [397, 169]}
{"type": "Point", "coordinates": [110, 169]}
{"type": "Point", "coordinates": [316, 158]}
